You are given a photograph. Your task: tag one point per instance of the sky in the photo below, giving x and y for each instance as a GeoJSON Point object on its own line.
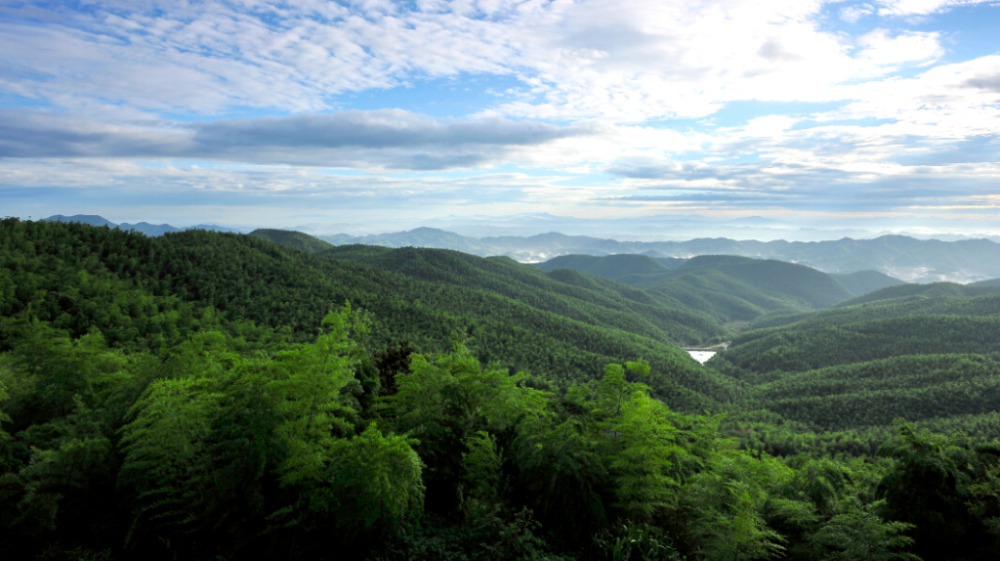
{"type": "Point", "coordinates": [375, 116]}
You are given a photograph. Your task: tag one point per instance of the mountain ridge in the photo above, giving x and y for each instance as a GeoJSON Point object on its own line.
{"type": "Point", "coordinates": [901, 257]}
{"type": "Point", "coordinates": [142, 227]}
{"type": "Point", "coordinates": [729, 288]}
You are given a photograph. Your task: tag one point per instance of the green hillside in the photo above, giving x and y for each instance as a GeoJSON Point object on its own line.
{"type": "Point", "coordinates": [929, 359]}
{"type": "Point", "coordinates": [799, 283]}
{"type": "Point", "coordinates": [292, 239]}
{"type": "Point", "coordinates": [823, 344]}
{"type": "Point", "coordinates": [875, 393]}
{"type": "Point", "coordinates": [623, 268]}
{"type": "Point", "coordinates": [670, 262]}
{"type": "Point", "coordinates": [726, 288]}
{"type": "Point", "coordinates": [985, 305]}
{"type": "Point", "coordinates": [597, 302]}
{"type": "Point", "coordinates": [863, 282]}
{"type": "Point", "coordinates": [914, 291]}
{"type": "Point", "coordinates": [561, 337]}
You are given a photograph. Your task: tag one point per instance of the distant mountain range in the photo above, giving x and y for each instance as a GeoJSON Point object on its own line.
{"type": "Point", "coordinates": [144, 227]}
{"type": "Point", "coordinates": [901, 257]}
{"type": "Point", "coordinates": [681, 227]}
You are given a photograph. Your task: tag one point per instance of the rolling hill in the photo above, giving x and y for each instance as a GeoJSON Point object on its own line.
{"type": "Point", "coordinates": [924, 353]}
{"type": "Point", "coordinates": [627, 268]}
{"type": "Point", "coordinates": [875, 393]}
{"type": "Point", "coordinates": [863, 282]}
{"type": "Point", "coordinates": [514, 314]}
{"type": "Point", "coordinates": [906, 292]}
{"type": "Point", "coordinates": [292, 239]}
{"type": "Point", "coordinates": [901, 257]}
{"type": "Point", "coordinates": [727, 288]}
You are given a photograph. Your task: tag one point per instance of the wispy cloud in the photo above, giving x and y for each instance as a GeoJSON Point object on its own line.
{"type": "Point", "coordinates": [922, 7]}
{"type": "Point", "coordinates": [623, 59]}
{"type": "Point", "coordinates": [393, 139]}
{"type": "Point", "coordinates": [578, 102]}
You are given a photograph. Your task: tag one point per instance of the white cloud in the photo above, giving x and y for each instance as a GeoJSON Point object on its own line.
{"type": "Point", "coordinates": [921, 7]}
{"type": "Point", "coordinates": [385, 139]}
{"type": "Point", "coordinates": [623, 60]}
{"type": "Point", "coordinates": [209, 57]}
{"type": "Point", "coordinates": [770, 126]}
{"type": "Point", "coordinates": [883, 51]}
{"type": "Point", "coordinates": [852, 14]}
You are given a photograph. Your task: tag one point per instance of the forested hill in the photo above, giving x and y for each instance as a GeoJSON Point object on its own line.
{"type": "Point", "coordinates": [292, 239]}
{"type": "Point", "coordinates": [863, 282]}
{"type": "Point", "coordinates": [642, 269]}
{"type": "Point", "coordinates": [558, 331]}
{"type": "Point", "coordinates": [566, 294]}
{"type": "Point", "coordinates": [775, 278]}
{"type": "Point", "coordinates": [590, 300]}
{"type": "Point", "coordinates": [627, 268]}
{"type": "Point", "coordinates": [882, 329]}
{"type": "Point", "coordinates": [932, 359]}
{"type": "Point", "coordinates": [916, 291]}
{"type": "Point", "coordinates": [728, 288]}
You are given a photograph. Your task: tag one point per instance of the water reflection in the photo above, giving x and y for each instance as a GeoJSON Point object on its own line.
{"type": "Point", "coordinates": [701, 356]}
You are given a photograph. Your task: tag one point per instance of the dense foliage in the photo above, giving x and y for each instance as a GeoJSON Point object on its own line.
{"type": "Point", "coordinates": [513, 313]}
{"type": "Point", "coordinates": [288, 238]}
{"type": "Point", "coordinates": [168, 398]}
{"type": "Point", "coordinates": [727, 288]}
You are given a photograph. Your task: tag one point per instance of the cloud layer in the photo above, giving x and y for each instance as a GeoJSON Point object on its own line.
{"type": "Point", "coordinates": [389, 138]}
{"type": "Point", "coordinates": [623, 105]}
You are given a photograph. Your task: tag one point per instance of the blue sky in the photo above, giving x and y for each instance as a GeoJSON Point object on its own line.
{"type": "Point", "coordinates": [385, 114]}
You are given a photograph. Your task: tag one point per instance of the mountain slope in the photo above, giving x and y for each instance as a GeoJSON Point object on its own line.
{"type": "Point", "coordinates": [623, 267]}
{"type": "Point", "coordinates": [727, 288]}
{"type": "Point", "coordinates": [923, 358]}
{"type": "Point", "coordinates": [818, 345]}
{"type": "Point", "coordinates": [877, 392]}
{"type": "Point", "coordinates": [863, 282]}
{"type": "Point", "coordinates": [246, 278]}
{"type": "Point", "coordinates": [783, 280]}
{"type": "Point", "coordinates": [599, 302]}
{"type": "Point", "coordinates": [292, 239]}
{"type": "Point", "coordinates": [906, 292]}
